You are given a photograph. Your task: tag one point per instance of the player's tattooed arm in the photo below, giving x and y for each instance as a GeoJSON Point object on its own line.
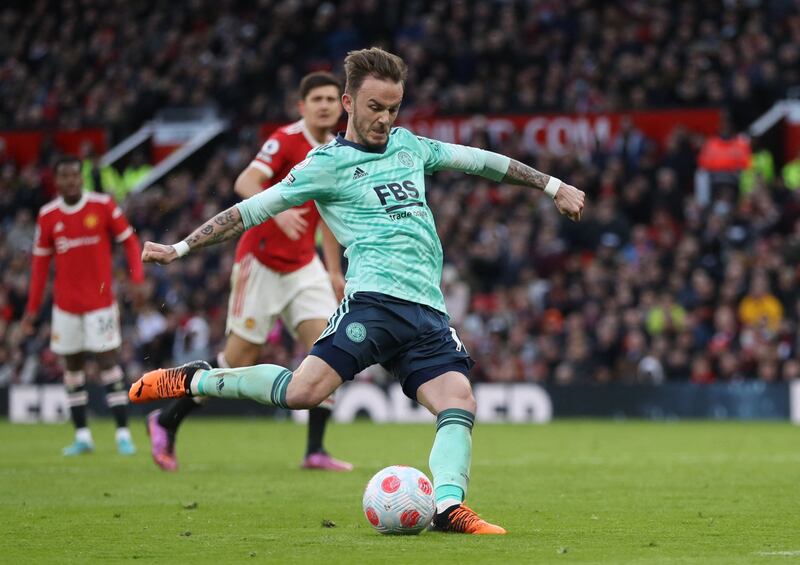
{"type": "Point", "coordinates": [568, 200]}
{"type": "Point", "coordinates": [522, 174]}
{"type": "Point", "coordinates": [222, 227]}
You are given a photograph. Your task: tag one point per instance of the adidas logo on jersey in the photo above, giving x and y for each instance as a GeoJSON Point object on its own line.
{"type": "Point", "coordinates": [359, 173]}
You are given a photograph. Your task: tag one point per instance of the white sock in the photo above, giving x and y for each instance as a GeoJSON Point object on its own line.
{"type": "Point", "coordinates": [84, 435]}
{"type": "Point", "coordinates": [445, 504]}
{"type": "Point", "coordinates": [122, 434]}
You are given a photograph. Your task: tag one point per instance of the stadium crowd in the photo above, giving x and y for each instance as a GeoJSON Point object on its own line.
{"type": "Point", "coordinates": [650, 286]}
{"type": "Point", "coordinates": [71, 63]}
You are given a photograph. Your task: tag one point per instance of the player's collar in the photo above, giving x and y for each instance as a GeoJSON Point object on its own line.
{"type": "Point", "coordinates": [340, 139]}
{"type": "Point", "coordinates": [307, 134]}
{"type": "Point", "coordinates": [72, 208]}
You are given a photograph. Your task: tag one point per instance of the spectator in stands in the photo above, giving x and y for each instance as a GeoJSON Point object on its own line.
{"type": "Point", "coordinates": [630, 144]}
{"type": "Point", "coordinates": [791, 173]}
{"type": "Point", "coordinates": [791, 370]}
{"type": "Point", "coordinates": [760, 309]}
{"type": "Point", "coordinates": [721, 160]}
{"type": "Point", "coordinates": [665, 316]}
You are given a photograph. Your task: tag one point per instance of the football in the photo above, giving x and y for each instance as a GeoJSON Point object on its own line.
{"type": "Point", "coordinates": [399, 500]}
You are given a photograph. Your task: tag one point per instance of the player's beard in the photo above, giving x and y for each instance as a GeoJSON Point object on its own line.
{"type": "Point", "coordinates": [363, 130]}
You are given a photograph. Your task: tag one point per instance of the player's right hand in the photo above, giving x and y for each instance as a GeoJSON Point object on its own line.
{"type": "Point", "coordinates": [569, 201]}
{"type": "Point", "coordinates": [158, 253]}
{"type": "Point", "coordinates": [291, 222]}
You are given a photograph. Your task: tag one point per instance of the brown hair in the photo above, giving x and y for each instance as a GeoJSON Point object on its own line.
{"type": "Point", "coordinates": [374, 62]}
{"type": "Point", "coordinates": [315, 80]}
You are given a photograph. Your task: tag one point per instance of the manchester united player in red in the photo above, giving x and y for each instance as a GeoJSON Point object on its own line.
{"type": "Point", "coordinates": [79, 228]}
{"type": "Point", "coordinates": [277, 271]}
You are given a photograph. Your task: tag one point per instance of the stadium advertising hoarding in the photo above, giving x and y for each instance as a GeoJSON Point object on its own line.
{"type": "Point", "coordinates": [556, 133]}
{"type": "Point", "coordinates": [24, 146]}
{"type": "Point", "coordinates": [531, 403]}
{"type": "Point", "coordinates": [517, 402]}
{"type": "Point", "coordinates": [559, 133]}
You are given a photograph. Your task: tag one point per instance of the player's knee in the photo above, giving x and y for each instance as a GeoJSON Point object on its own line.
{"type": "Point", "coordinates": [107, 361]}
{"type": "Point", "coordinates": [470, 404]}
{"type": "Point", "coordinates": [462, 397]}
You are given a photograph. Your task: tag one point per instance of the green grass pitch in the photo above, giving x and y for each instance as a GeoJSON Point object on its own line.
{"type": "Point", "coordinates": [569, 492]}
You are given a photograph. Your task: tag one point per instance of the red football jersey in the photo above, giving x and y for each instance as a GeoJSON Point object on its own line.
{"type": "Point", "coordinates": [81, 238]}
{"type": "Point", "coordinates": [283, 150]}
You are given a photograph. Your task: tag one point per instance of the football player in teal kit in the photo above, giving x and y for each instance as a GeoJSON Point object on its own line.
{"type": "Point", "coordinates": [369, 186]}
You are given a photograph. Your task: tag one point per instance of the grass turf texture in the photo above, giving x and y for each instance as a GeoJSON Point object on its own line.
{"type": "Point", "coordinates": [570, 492]}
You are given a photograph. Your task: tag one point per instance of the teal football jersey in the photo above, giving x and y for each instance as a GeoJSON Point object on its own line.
{"type": "Point", "coordinates": [374, 203]}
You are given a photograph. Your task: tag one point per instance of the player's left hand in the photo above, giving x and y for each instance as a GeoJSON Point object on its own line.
{"type": "Point", "coordinates": [28, 324]}
{"type": "Point", "coordinates": [338, 283]}
{"type": "Point", "coordinates": [569, 201]}
{"type": "Point", "coordinates": [158, 253]}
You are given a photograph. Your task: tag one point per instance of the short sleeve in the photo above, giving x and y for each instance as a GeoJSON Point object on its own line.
{"type": "Point", "coordinates": [42, 239]}
{"type": "Point", "coordinates": [119, 226]}
{"type": "Point", "coordinates": [313, 178]}
{"type": "Point", "coordinates": [439, 156]}
{"type": "Point", "coordinates": [431, 151]}
{"type": "Point", "coordinates": [273, 156]}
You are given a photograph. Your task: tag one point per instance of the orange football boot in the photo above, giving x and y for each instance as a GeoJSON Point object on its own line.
{"type": "Point", "coordinates": [165, 383]}
{"type": "Point", "coordinates": [463, 520]}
